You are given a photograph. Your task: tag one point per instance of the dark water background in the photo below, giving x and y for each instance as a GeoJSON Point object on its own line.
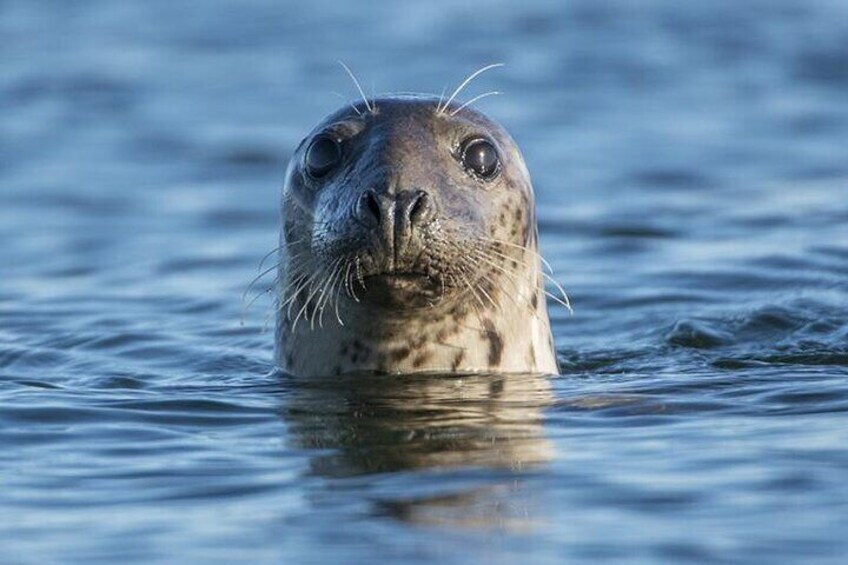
{"type": "Point", "coordinates": [691, 166]}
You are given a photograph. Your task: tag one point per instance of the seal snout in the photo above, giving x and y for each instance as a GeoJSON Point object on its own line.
{"type": "Point", "coordinates": [395, 218]}
{"type": "Point", "coordinates": [404, 211]}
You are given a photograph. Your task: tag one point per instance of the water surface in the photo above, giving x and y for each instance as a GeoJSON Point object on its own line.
{"type": "Point", "coordinates": [692, 181]}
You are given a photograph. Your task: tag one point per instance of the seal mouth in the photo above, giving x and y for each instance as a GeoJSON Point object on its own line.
{"type": "Point", "coordinates": [398, 276]}
{"type": "Point", "coordinates": [400, 289]}
{"type": "Point", "coordinates": [398, 280]}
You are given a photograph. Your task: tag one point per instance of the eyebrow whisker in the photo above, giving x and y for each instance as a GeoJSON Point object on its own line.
{"type": "Point", "coordinates": [464, 83]}
{"type": "Point", "coordinates": [353, 106]}
{"type": "Point", "coordinates": [475, 99]}
{"type": "Point", "coordinates": [358, 86]}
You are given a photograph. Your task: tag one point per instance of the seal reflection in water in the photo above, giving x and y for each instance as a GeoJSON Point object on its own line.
{"type": "Point", "coordinates": [407, 426]}
{"type": "Point", "coordinates": [409, 244]}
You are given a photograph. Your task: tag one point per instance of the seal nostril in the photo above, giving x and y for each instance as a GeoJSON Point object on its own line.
{"type": "Point", "coordinates": [368, 208]}
{"type": "Point", "coordinates": [420, 209]}
{"type": "Point", "coordinates": [373, 206]}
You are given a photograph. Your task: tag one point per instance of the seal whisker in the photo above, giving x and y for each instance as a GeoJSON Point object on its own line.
{"type": "Point", "coordinates": [342, 277]}
{"type": "Point", "coordinates": [270, 288]}
{"type": "Point", "coordinates": [324, 296]}
{"type": "Point", "coordinates": [475, 99]}
{"type": "Point", "coordinates": [463, 272]}
{"type": "Point", "coordinates": [315, 285]}
{"type": "Point", "coordinates": [441, 98]}
{"type": "Point", "coordinates": [358, 86]}
{"type": "Point", "coordinates": [470, 270]}
{"type": "Point", "coordinates": [513, 279]}
{"type": "Point", "coordinates": [507, 259]}
{"type": "Point", "coordinates": [348, 282]}
{"type": "Point", "coordinates": [353, 107]}
{"type": "Point", "coordinates": [303, 310]}
{"type": "Point", "coordinates": [473, 290]}
{"type": "Point", "coordinates": [300, 283]}
{"type": "Point", "coordinates": [316, 306]}
{"type": "Point", "coordinates": [522, 248]}
{"type": "Point", "coordinates": [335, 288]}
{"type": "Point", "coordinates": [246, 304]}
{"type": "Point", "coordinates": [256, 279]}
{"type": "Point", "coordinates": [465, 83]}
{"type": "Point", "coordinates": [475, 253]}
{"type": "Point", "coordinates": [565, 301]}
{"type": "Point", "coordinates": [305, 284]}
{"type": "Point", "coordinates": [271, 311]}
{"type": "Point", "coordinates": [444, 290]}
{"type": "Point", "coordinates": [267, 320]}
{"type": "Point", "coordinates": [289, 257]}
{"type": "Point", "coordinates": [267, 256]}
{"type": "Point", "coordinates": [559, 301]}
{"type": "Point", "coordinates": [359, 277]}
{"type": "Point", "coordinates": [488, 296]}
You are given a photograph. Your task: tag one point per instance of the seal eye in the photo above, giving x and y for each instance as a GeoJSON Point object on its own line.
{"type": "Point", "coordinates": [322, 156]}
{"type": "Point", "coordinates": [481, 158]}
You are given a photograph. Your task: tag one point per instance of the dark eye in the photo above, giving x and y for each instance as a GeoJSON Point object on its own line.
{"type": "Point", "coordinates": [481, 158]}
{"type": "Point", "coordinates": [322, 156]}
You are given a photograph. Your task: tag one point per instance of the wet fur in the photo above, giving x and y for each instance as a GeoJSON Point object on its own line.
{"type": "Point", "coordinates": [481, 305]}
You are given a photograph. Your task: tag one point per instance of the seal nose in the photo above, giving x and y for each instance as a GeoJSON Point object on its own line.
{"type": "Point", "coordinates": [418, 208]}
{"type": "Point", "coordinates": [369, 208]}
{"type": "Point", "coordinates": [401, 213]}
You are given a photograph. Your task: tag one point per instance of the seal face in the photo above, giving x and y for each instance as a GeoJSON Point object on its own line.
{"type": "Point", "coordinates": [409, 244]}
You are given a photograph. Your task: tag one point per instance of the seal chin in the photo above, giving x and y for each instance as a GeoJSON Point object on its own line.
{"type": "Point", "coordinates": [401, 291]}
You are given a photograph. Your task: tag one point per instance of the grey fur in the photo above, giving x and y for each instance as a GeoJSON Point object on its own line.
{"type": "Point", "coordinates": [466, 293]}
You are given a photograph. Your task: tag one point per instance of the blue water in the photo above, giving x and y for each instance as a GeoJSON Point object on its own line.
{"type": "Point", "coordinates": [691, 168]}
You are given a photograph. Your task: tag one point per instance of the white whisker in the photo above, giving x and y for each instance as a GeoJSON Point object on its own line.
{"type": "Point", "coordinates": [353, 107]}
{"type": "Point", "coordinates": [322, 298]}
{"type": "Point", "coordinates": [358, 86]}
{"type": "Point", "coordinates": [340, 284]}
{"type": "Point", "coordinates": [565, 300]}
{"type": "Point", "coordinates": [441, 98]}
{"type": "Point", "coordinates": [465, 83]}
{"type": "Point", "coordinates": [475, 99]}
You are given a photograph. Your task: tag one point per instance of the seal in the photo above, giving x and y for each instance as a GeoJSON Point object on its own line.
{"type": "Point", "coordinates": [409, 244]}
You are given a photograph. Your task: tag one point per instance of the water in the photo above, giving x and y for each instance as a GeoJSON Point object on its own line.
{"type": "Point", "coordinates": [690, 164]}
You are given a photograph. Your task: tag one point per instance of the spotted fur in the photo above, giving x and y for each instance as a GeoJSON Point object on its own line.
{"type": "Point", "coordinates": [474, 300]}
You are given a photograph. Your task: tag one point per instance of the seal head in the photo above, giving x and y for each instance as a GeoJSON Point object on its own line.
{"type": "Point", "coordinates": [408, 244]}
